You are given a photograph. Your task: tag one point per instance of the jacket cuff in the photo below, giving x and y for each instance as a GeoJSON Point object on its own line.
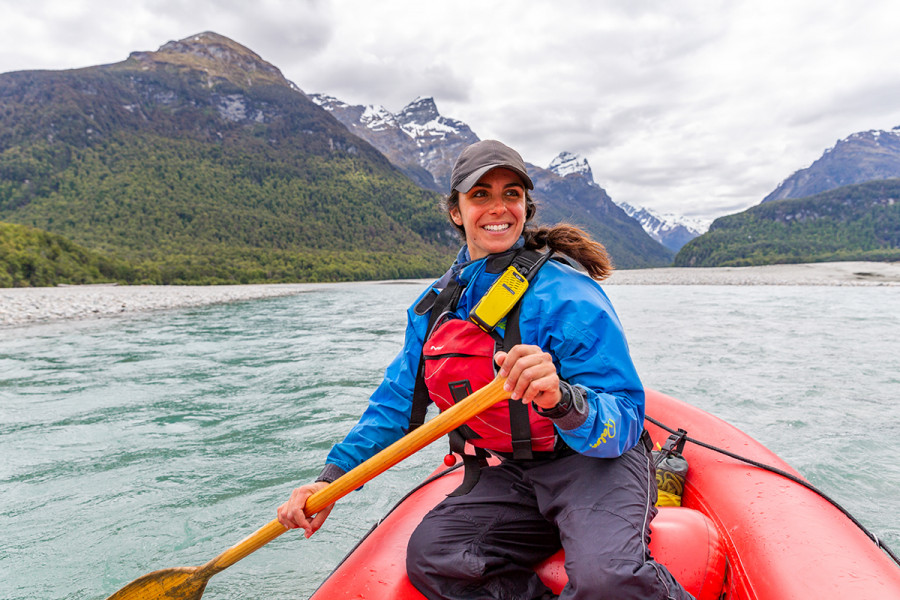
{"type": "Point", "coordinates": [330, 473]}
{"type": "Point", "coordinates": [571, 412]}
{"type": "Point", "coordinates": [578, 411]}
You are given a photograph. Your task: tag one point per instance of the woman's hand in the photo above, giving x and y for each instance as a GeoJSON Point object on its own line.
{"type": "Point", "coordinates": [292, 515]}
{"type": "Point", "coordinates": [530, 375]}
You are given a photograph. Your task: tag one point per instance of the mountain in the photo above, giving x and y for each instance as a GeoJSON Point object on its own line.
{"type": "Point", "coordinates": [567, 163]}
{"type": "Point", "coordinates": [672, 231]}
{"type": "Point", "coordinates": [855, 222]}
{"type": "Point", "coordinates": [418, 140]}
{"type": "Point", "coordinates": [861, 157]}
{"type": "Point", "coordinates": [566, 193]}
{"type": "Point", "coordinates": [200, 162]}
{"type": "Point", "coordinates": [424, 145]}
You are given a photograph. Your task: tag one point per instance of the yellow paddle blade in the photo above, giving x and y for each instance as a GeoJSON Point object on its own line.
{"type": "Point", "coordinates": [180, 583]}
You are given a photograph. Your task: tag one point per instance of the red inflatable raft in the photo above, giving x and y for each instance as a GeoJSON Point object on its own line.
{"type": "Point", "coordinates": [743, 532]}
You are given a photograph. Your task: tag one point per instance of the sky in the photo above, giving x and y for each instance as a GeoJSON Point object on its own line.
{"type": "Point", "coordinates": [697, 108]}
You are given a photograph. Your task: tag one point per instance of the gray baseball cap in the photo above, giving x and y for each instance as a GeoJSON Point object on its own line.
{"type": "Point", "coordinates": [481, 157]}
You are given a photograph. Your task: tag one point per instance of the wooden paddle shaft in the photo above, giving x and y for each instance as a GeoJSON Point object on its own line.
{"type": "Point", "coordinates": [441, 425]}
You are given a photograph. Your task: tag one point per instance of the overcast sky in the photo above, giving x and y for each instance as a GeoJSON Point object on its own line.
{"type": "Point", "coordinates": [693, 107]}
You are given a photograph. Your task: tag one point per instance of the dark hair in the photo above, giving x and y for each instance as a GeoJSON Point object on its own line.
{"type": "Point", "coordinates": [566, 239]}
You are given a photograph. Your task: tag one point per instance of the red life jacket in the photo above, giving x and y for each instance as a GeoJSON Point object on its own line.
{"type": "Point", "coordinates": [467, 364]}
{"type": "Point", "coordinates": [458, 361]}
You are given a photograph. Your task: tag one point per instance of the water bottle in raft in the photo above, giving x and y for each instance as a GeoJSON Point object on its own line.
{"type": "Point", "coordinates": [671, 469]}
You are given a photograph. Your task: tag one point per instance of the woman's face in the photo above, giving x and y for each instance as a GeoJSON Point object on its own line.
{"type": "Point", "coordinates": [492, 213]}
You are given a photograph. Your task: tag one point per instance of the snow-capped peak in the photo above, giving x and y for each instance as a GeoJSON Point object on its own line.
{"type": "Point", "coordinates": [326, 101]}
{"type": "Point", "coordinates": [877, 136]}
{"type": "Point", "coordinates": [671, 230]}
{"type": "Point", "coordinates": [420, 111]}
{"type": "Point", "coordinates": [378, 118]}
{"type": "Point", "coordinates": [567, 163]}
{"type": "Point", "coordinates": [420, 119]}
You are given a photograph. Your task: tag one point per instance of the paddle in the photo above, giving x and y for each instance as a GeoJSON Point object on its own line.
{"type": "Point", "coordinates": [188, 583]}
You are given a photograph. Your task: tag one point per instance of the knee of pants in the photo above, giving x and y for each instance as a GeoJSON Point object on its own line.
{"type": "Point", "coordinates": [427, 558]}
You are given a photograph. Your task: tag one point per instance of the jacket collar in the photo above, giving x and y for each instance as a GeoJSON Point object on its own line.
{"type": "Point", "coordinates": [494, 263]}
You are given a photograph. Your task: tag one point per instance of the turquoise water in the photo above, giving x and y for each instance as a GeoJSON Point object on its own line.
{"type": "Point", "coordinates": [133, 444]}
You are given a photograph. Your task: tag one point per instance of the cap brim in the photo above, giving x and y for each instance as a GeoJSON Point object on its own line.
{"type": "Point", "coordinates": [469, 182]}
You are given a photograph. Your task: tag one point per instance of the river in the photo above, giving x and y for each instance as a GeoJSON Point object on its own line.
{"type": "Point", "coordinates": [158, 440]}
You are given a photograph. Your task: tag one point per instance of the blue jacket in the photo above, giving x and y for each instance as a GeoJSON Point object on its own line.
{"type": "Point", "coordinates": [564, 312]}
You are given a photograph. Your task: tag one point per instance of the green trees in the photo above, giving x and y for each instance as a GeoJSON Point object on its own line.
{"type": "Point", "coordinates": [857, 222]}
{"type": "Point", "coordinates": [30, 257]}
{"type": "Point", "coordinates": [141, 167]}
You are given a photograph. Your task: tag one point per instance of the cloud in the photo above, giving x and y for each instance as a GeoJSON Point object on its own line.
{"type": "Point", "coordinates": [697, 106]}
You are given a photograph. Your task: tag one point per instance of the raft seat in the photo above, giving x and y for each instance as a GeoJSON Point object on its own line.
{"type": "Point", "coordinates": [684, 540]}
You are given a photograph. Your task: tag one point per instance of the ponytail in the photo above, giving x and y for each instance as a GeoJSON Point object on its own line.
{"type": "Point", "coordinates": [574, 243]}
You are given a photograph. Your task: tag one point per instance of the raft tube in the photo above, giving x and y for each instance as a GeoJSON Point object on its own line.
{"type": "Point", "coordinates": [742, 532]}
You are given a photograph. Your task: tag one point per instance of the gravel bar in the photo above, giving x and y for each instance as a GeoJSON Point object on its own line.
{"type": "Point", "coordinates": [24, 306]}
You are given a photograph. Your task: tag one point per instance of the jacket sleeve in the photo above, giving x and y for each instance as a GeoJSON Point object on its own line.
{"type": "Point", "coordinates": [386, 418]}
{"type": "Point", "coordinates": [572, 318]}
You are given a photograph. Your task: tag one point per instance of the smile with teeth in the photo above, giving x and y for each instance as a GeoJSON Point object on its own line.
{"type": "Point", "coordinates": [501, 227]}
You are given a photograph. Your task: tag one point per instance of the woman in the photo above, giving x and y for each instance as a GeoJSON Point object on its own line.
{"type": "Point", "coordinates": [583, 479]}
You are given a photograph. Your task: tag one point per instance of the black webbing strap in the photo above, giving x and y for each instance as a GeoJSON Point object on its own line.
{"type": "Point", "coordinates": [527, 263]}
{"type": "Point", "coordinates": [473, 463]}
{"type": "Point", "coordinates": [448, 298]}
{"type": "Point", "coordinates": [519, 423]}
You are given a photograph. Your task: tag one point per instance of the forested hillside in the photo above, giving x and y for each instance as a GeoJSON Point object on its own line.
{"type": "Point", "coordinates": [30, 257]}
{"type": "Point", "coordinates": [856, 222]}
{"type": "Point", "coordinates": [200, 163]}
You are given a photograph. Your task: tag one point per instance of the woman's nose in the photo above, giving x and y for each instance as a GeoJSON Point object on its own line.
{"type": "Point", "coordinates": [496, 206]}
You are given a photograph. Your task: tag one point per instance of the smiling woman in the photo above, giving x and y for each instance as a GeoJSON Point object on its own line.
{"type": "Point", "coordinates": [574, 459]}
{"type": "Point", "coordinates": [492, 213]}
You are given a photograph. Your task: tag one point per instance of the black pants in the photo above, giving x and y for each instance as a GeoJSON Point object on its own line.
{"type": "Point", "coordinates": [483, 545]}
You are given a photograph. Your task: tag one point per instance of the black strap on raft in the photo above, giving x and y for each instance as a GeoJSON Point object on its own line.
{"type": "Point", "coordinates": [674, 446]}
{"type": "Point", "coordinates": [527, 262]}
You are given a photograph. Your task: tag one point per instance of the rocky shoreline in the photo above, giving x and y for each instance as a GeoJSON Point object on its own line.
{"type": "Point", "coordinates": [24, 306]}
{"type": "Point", "coordinates": [829, 273]}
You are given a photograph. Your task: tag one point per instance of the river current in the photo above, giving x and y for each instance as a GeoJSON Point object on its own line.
{"type": "Point", "coordinates": [138, 443]}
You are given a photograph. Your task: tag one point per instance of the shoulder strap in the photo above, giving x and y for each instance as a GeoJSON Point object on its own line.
{"type": "Point", "coordinates": [446, 300]}
{"type": "Point", "coordinates": [519, 422]}
{"type": "Point", "coordinates": [527, 262]}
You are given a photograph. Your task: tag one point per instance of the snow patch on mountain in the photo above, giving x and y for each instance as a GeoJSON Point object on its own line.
{"type": "Point", "coordinates": [327, 102]}
{"type": "Point", "coordinates": [420, 119]}
{"type": "Point", "coordinates": [670, 230]}
{"type": "Point", "coordinates": [859, 157]}
{"type": "Point", "coordinates": [567, 163]}
{"type": "Point", "coordinates": [378, 118]}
